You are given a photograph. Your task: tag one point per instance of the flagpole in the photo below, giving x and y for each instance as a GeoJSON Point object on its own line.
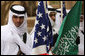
{"type": "Point", "coordinates": [61, 11]}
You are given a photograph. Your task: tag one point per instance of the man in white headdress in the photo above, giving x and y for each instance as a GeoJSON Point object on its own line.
{"type": "Point", "coordinates": [52, 17]}
{"type": "Point", "coordinates": [58, 18]}
{"type": "Point", "coordinates": [15, 39]}
{"type": "Point", "coordinates": [81, 35]}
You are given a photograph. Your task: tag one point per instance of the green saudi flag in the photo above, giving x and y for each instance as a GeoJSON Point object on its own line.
{"type": "Point", "coordinates": [66, 42]}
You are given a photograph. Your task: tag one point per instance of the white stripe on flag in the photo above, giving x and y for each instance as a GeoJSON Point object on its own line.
{"type": "Point", "coordinates": [39, 50]}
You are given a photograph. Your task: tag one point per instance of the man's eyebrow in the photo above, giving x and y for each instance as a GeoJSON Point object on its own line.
{"type": "Point", "coordinates": [18, 16]}
{"type": "Point", "coordinates": [15, 15]}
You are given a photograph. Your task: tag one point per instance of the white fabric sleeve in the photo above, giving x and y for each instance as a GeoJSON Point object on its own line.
{"type": "Point", "coordinates": [27, 48]}
{"type": "Point", "coordinates": [4, 47]}
{"type": "Point", "coordinates": [29, 44]}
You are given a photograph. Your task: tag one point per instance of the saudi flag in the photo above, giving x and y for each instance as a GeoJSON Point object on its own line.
{"type": "Point", "coordinates": [66, 42]}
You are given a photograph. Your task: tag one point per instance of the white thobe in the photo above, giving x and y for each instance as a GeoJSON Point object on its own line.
{"type": "Point", "coordinates": [9, 41]}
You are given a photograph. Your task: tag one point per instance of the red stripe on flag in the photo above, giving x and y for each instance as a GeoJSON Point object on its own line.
{"type": "Point", "coordinates": [44, 54]}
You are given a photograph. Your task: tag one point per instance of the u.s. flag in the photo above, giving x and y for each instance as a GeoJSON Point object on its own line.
{"type": "Point", "coordinates": [64, 10]}
{"type": "Point", "coordinates": [43, 31]}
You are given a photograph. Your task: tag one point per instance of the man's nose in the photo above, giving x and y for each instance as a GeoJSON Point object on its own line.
{"type": "Point", "coordinates": [18, 19]}
{"type": "Point", "coordinates": [53, 17]}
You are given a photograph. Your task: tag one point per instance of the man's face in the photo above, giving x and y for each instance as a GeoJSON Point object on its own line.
{"type": "Point", "coordinates": [17, 20]}
{"type": "Point", "coordinates": [52, 15]}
